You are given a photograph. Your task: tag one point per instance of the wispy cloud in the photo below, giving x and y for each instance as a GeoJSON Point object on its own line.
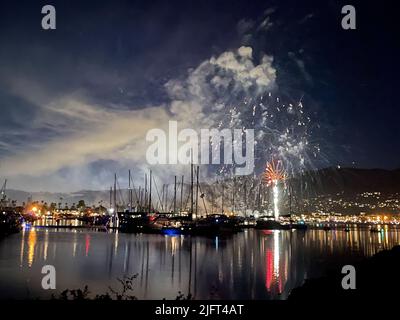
{"type": "Point", "coordinates": [83, 132]}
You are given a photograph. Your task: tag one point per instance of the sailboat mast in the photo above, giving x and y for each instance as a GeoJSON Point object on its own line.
{"type": "Point", "coordinates": [222, 198]}
{"type": "Point", "coordinates": [3, 194]}
{"type": "Point", "coordinates": [166, 197]}
{"type": "Point", "coordinates": [175, 196]}
{"type": "Point", "coordinates": [191, 186]}
{"type": "Point", "coordinates": [150, 191]}
{"type": "Point", "coordinates": [145, 190]}
{"type": "Point", "coordinates": [139, 201]}
{"type": "Point", "coordinates": [290, 199]}
{"type": "Point", "coordinates": [233, 195]}
{"type": "Point", "coordinates": [245, 197]}
{"type": "Point", "coordinates": [3, 191]}
{"type": "Point", "coordinates": [212, 198]}
{"type": "Point", "coordinates": [197, 190]}
{"type": "Point", "coordinates": [162, 197]}
{"type": "Point", "coordinates": [111, 192]}
{"type": "Point", "coordinates": [115, 194]}
{"type": "Point", "coordinates": [182, 194]}
{"type": "Point", "coordinates": [130, 192]}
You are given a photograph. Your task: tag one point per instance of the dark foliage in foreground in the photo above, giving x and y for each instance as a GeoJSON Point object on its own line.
{"type": "Point", "coordinates": [376, 277]}
{"type": "Point", "coordinates": [125, 292]}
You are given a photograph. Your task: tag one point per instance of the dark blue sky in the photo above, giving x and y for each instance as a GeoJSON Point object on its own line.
{"type": "Point", "coordinates": [119, 55]}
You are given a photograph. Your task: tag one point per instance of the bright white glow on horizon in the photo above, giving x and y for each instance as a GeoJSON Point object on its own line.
{"type": "Point", "coordinates": [276, 199]}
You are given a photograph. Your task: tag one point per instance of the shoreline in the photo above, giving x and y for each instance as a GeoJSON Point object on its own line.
{"type": "Point", "coordinates": [375, 276]}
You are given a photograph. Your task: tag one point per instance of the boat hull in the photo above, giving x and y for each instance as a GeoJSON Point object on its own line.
{"type": "Point", "coordinates": [271, 225]}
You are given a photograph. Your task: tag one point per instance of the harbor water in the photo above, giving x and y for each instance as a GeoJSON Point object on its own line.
{"type": "Point", "coordinates": [253, 264]}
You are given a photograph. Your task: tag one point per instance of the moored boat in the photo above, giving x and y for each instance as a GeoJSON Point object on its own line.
{"type": "Point", "coordinates": [299, 226]}
{"type": "Point", "coordinates": [10, 222]}
{"type": "Point", "coordinates": [269, 223]}
{"type": "Point", "coordinates": [215, 224]}
{"type": "Point", "coordinates": [133, 221]}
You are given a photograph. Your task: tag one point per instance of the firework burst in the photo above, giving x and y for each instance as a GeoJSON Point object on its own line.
{"type": "Point", "coordinates": [274, 173]}
{"type": "Point", "coordinates": [282, 130]}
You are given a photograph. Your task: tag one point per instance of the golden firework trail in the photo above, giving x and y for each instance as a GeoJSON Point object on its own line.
{"type": "Point", "coordinates": [274, 172]}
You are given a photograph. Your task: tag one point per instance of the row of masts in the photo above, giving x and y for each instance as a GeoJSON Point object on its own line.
{"type": "Point", "coordinates": [3, 196]}
{"type": "Point", "coordinates": [144, 196]}
{"type": "Point", "coordinates": [145, 203]}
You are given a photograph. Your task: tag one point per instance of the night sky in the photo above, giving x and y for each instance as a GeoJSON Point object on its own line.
{"type": "Point", "coordinates": [75, 101]}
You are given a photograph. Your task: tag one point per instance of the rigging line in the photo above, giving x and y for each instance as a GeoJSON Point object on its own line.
{"type": "Point", "coordinates": [120, 195]}
{"type": "Point", "coordinates": [204, 203]}
{"type": "Point", "coordinates": [158, 194]}
{"type": "Point", "coordinates": [166, 198]}
{"type": "Point", "coordinates": [181, 192]}
{"type": "Point", "coordinates": [171, 206]}
{"type": "Point", "coordinates": [175, 196]}
{"type": "Point", "coordinates": [187, 199]}
{"type": "Point", "coordinates": [172, 200]}
{"type": "Point", "coordinates": [134, 190]}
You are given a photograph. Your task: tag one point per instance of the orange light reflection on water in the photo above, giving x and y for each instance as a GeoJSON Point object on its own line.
{"type": "Point", "coordinates": [31, 246]}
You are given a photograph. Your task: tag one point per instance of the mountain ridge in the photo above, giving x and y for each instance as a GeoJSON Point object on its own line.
{"type": "Point", "coordinates": [331, 180]}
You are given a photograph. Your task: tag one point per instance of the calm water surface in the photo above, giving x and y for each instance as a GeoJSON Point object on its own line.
{"type": "Point", "coordinates": [253, 264]}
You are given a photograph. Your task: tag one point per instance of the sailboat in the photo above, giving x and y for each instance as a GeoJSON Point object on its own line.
{"type": "Point", "coordinates": [137, 220]}
{"type": "Point", "coordinates": [10, 219]}
{"type": "Point", "coordinates": [269, 223]}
